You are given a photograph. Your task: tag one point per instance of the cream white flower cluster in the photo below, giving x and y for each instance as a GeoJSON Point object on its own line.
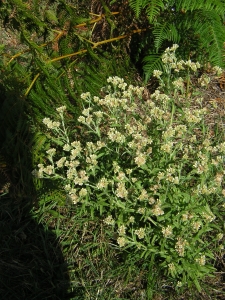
{"type": "Point", "coordinates": [61, 109]}
{"type": "Point", "coordinates": [117, 82]}
{"type": "Point", "coordinates": [51, 124]}
{"type": "Point", "coordinates": [171, 65]}
{"type": "Point", "coordinates": [179, 84]}
{"type": "Point", "coordinates": [169, 59]}
{"type": "Point", "coordinates": [109, 220]}
{"type": "Point", "coordinates": [217, 70]}
{"type": "Point", "coordinates": [140, 233]}
{"type": "Point", "coordinates": [167, 231]}
{"type": "Point", "coordinates": [194, 116]}
{"type": "Point", "coordinates": [201, 260]}
{"type": "Point", "coordinates": [180, 246]}
{"type": "Point", "coordinates": [204, 80]}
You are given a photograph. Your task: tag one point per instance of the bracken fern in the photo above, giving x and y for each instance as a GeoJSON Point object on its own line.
{"type": "Point", "coordinates": [196, 25]}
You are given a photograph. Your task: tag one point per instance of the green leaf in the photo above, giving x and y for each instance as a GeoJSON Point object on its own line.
{"type": "Point", "coordinates": [152, 62]}
{"type": "Point", "coordinates": [51, 16]}
{"type": "Point", "coordinates": [2, 47]}
{"type": "Point", "coordinates": [56, 214]}
{"type": "Point", "coordinates": [197, 285]}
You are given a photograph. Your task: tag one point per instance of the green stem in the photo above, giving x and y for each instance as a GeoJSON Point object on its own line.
{"type": "Point", "coordinates": [188, 82]}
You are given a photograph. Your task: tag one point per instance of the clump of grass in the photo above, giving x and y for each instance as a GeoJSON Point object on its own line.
{"type": "Point", "coordinates": [148, 172]}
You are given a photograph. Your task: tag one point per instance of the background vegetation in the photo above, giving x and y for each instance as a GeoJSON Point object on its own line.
{"type": "Point", "coordinates": [51, 52]}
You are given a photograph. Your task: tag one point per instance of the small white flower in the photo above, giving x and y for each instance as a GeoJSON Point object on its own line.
{"type": "Point", "coordinates": [121, 241]}
{"type": "Point", "coordinates": [171, 267]}
{"type": "Point", "coordinates": [49, 170]}
{"type": "Point", "coordinates": [50, 124]}
{"type": "Point", "coordinates": [51, 151]}
{"type": "Point", "coordinates": [140, 233]}
{"type": "Point", "coordinates": [121, 191]}
{"type": "Point", "coordinates": [167, 231]}
{"type": "Point", "coordinates": [122, 230]}
{"type": "Point", "coordinates": [143, 195]}
{"type": "Point", "coordinates": [60, 162]}
{"type": "Point", "coordinates": [67, 187]}
{"type": "Point", "coordinates": [85, 96]}
{"type": "Point", "coordinates": [167, 147]}
{"type": "Point", "coordinates": [196, 225]}
{"type": "Point", "coordinates": [157, 73]}
{"type": "Point", "coordinates": [61, 109]}
{"type": "Point", "coordinates": [180, 246]}
{"type": "Point", "coordinates": [86, 112]}
{"type": "Point", "coordinates": [83, 192]}
{"type": "Point", "coordinates": [98, 114]}
{"type": "Point", "coordinates": [82, 119]}
{"type": "Point", "coordinates": [219, 236]}
{"type": "Point", "coordinates": [102, 184]}
{"type": "Point", "coordinates": [140, 159]}
{"type": "Point", "coordinates": [174, 47]}
{"type": "Point", "coordinates": [179, 284]}
{"type": "Point", "coordinates": [73, 198]}
{"type": "Point", "coordinates": [131, 219]}
{"type": "Point", "coordinates": [157, 210]}
{"type": "Point", "coordinates": [201, 260]}
{"type": "Point", "coordinates": [109, 220]}
{"type": "Point", "coordinates": [66, 147]}
{"type": "Point", "coordinates": [218, 70]}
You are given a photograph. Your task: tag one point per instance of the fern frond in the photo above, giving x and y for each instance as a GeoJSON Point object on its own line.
{"type": "Point", "coordinates": [164, 32]}
{"type": "Point", "coordinates": [38, 140]}
{"type": "Point", "coordinates": [217, 6]}
{"type": "Point", "coordinates": [153, 9]}
{"type": "Point", "coordinates": [152, 62]}
{"type": "Point", "coordinates": [212, 37]}
{"type": "Point", "coordinates": [209, 30]}
{"type": "Point", "coordinates": [138, 5]}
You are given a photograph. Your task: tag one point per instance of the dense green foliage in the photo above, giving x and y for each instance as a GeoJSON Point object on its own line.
{"type": "Point", "coordinates": [62, 49]}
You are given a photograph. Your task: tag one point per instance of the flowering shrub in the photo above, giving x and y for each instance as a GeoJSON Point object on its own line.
{"type": "Point", "coordinates": [150, 171]}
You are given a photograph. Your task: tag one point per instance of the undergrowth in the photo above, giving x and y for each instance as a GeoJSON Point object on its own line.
{"type": "Point", "coordinates": [145, 178]}
{"type": "Point", "coordinates": [131, 205]}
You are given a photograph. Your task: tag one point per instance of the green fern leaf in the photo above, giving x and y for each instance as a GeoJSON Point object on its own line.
{"type": "Point", "coordinates": [208, 27]}
{"type": "Point", "coordinates": [164, 32]}
{"type": "Point", "coordinates": [152, 62]}
{"type": "Point", "coordinates": [38, 140]}
{"type": "Point", "coordinates": [213, 5]}
{"type": "Point", "coordinates": [138, 5]}
{"type": "Point", "coordinates": [51, 16]}
{"type": "Point", "coordinates": [213, 41]}
{"type": "Point", "coordinates": [153, 9]}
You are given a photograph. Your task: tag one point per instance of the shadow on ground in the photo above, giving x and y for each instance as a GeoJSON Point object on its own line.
{"type": "Point", "coordinates": [31, 262]}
